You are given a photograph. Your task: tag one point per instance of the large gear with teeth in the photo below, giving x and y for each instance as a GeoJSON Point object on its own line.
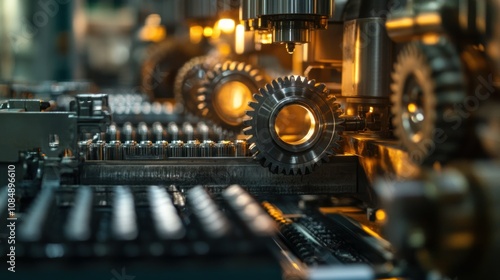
{"type": "Point", "coordinates": [428, 84]}
{"type": "Point", "coordinates": [320, 140]}
{"type": "Point", "coordinates": [229, 84]}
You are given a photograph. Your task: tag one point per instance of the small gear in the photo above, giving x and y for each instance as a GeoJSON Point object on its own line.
{"type": "Point", "coordinates": [189, 80]}
{"type": "Point", "coordinates": [276, 143]}
{"type": "Point", "coordinates": [428, 82]}
{"type": "Point", "coordinates": [225, 94]}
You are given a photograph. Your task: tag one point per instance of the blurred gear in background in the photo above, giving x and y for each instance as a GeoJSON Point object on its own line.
{"type": "Point", "coordinates": [226, 93]}
{"type": "Point", "coordinates": [428, 82]}
{"type": "Point", "coordinates": [190, 79]}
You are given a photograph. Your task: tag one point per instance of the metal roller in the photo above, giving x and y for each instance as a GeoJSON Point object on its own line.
{"type": "Point", "coordinates": [214, 222]}
{"type": "Point", "coordinates": [113, 150]}
{"type": "Point", "coordinates": [124, 219]}
{"type": "Point", "coordinates": [166, 220]}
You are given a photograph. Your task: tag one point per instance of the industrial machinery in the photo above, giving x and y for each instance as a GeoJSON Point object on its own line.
{"type": "Point", "coordinates": [365, 148]}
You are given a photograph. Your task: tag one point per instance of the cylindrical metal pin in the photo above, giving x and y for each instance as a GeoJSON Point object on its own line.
{"type": "Point", "coordinates": [113, 150]}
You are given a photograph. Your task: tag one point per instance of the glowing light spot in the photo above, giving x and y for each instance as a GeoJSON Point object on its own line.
{"type": "Point", "coordinates": [226, 25]}
{"type": "Point", "coordinates": [208, 31]}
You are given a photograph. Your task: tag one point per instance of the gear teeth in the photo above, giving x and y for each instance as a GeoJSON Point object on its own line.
{"type": "Point", "coordinates": [211, 74]}
{"type": "Point", "coordinates": [252, 147]}
{"type": "Point", "coordinates": [251, 139]}
{"type": "Point", "coordinates": [279, 169]}
{"type": "Point", "coordinates": [254, 73]}
{"type": "Point", "coordinates": [443, 86]}
{"type": "Point", "coordinates": [308, 169]}
{"type": "Point", "coordinates": [320, 87]}
{"type": "Point", "coordinates": [282, 82]}
{"type": "Point", "coordinates": [269, 88]}
{"type": "Point", "coordinates": [254, 105]}
{"type": "Point", "coordinates": [262, 91]}
{"type": "Point", "coordinates": [302, 170]}
{"type": "Point", "coordinates": [194, 70]}
{"type": "Point", "coordinates": [281, 160]}
{"type": "Point", "coordinates": [213, 79]}
{"type": "Point", "coordinates": [248, 130]}
{"type": "Point", "coordinates": [276, 85]}
{"type": "Point", "coordinates": [311, 84]}
{"type": "Point", "coordinates": [335, 106]}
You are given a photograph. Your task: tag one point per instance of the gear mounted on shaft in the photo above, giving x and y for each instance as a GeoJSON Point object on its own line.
{"type": "Point", "coordinates": [428, 83]}
{"type": "Point", "coordinates": [225, 93]}
{"type": "Point", "coordinates": [294, 125]}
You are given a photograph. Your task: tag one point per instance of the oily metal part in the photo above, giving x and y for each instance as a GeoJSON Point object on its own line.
{"type": "Point", "coordinates": [265, 143]}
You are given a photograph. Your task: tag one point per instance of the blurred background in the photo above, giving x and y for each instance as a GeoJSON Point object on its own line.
{"type": "Point", "coordinates": [120, 43]}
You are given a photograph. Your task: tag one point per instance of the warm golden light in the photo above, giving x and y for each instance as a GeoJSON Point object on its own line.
{"type": "Point", "coordinates": [152, 30]}
{"type": "Point", "coordinates": [231, 101]}
{"type": "Point", "coordinates": [224, 49]}
{"type": "Point", "coordinates": [380, 215]}
{"type": "Point", "coordinates": [412, 108]}
{"type": "Point", "coordinates": [428, 19]}
{"type": "Point", "coordinates": [431, 39]}
{"type": "Point", "coordinates": [239, 46]}
{"type": "Point", "coordinates": [195, 34]}
{"type": "Point", "coordinates": [153, 20]}
{"type": "Point", "coordinates": [295, 124]}
{"type": "Point", "coordinates": [226, 25]}
{"type": "Point", "coordinates": [400, 23]}
{"type": "Point", "coordinates": [208, 31]}
{"type": "Point", "coordinates": [264, 37]}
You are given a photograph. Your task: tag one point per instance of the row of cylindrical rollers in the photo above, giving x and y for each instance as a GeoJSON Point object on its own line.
{"type": "Point", "coordinates": [158, 132]}
{"type": "Point", "coordinates": [116, 150]}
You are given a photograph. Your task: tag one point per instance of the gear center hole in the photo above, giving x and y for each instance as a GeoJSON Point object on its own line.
{"type": "Point", "coordinates": [413, 111]}
{"type": "Point", "coordinates": [231, 101]}
{"type": "Point", "coordinates": [295, 124]}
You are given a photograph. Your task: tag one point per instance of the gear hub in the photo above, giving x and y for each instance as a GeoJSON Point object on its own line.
{"type": "Point", "coordinates": [293, 126]}
{"type": "Point", "coordinates": [226, 92]}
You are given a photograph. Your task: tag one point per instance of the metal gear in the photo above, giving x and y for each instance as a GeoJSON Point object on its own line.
{"type": "Point", "coordinates": [189, 80]}
{"type": "Point", "coordinates": [274, 151]}
{"type": "Point", "coordinates": [224, 80]}
{"type": "Point", "coordinates": [428, 82]}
